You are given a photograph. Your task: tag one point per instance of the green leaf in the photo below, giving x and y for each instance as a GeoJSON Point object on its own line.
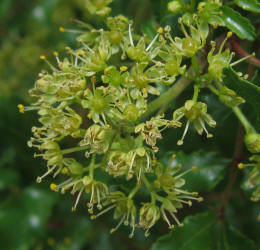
{"type": "Point", "coordinates": [211, 169]}
{"type": "Point", "coordinates": [204, 231]}
{"type": "Point", "coordinates": [249, 91]}
{"type": "Point", "coordinates": [234, 240]}
{"type": "Point", "coordinates": [250, 5]}
{"type": "Point", "coordinates": [22, 221]}
{"type": "Point", "coordinates": [195, 234]}
{"type": "Point", "coordinates": [237, 23]}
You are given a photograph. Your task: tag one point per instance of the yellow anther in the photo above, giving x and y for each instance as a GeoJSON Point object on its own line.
{"type": "Point", "coordinates": [80, 52]}
{"type": "Point", "coordinates": [144, 90]}
{"type": "Point", "coordinates": [55, 53]}
{"type": "Point", "coordinates": [194, 168]}
{"type": "Point", "coordinates": [90, 115]}
{"type": "Point", "coordinates": [64, 171]}
{"type": "Point", "coordinates": [190, 203]}
{"type": "Point", "coordinates": [50, 241]}
{"type": "Point", "coordinates": [160, 30]}
{"type": "Point", "coordinates": [43, 57]}
{"type": "Point", "coordinates": [53, 187]}
{"type": "Point", "coordinates": [179, 143]}
{"type": "Point", "coordinates": [92, 217]}
{"type": "Point", "coordinates": [67, 240]}
{"type": "Point", "coordinates": [21, 108]}
{"type": "Point", "coordinates": [123, 68]}
{"type": "Point", "coordinates": [200, 199]}
{"type": "Point", "coordinates": [240, 165]}
{"type": "Point", "coordinates": [154, 162]}
{"type": "Point", "coordinates": [209, 135]}
{"type": "Point", "coordinates": [253, 54]}
{"type": "Point", "coordinates": [107, 126]}
{"type": "Point", "coordinates": [229, 34]}
{"type": "Point", "coordinates": [173, 156]}
{"type": "Point", "coordinates": [61, 29]}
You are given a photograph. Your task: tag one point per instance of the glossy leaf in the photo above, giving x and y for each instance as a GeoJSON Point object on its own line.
{"type": "Point", "coordinates": [250, 5]}
{"type": "Point", "coordinates": [237, 23]}
{"type": "Point", "coordinates": [196, 234]}
{"type": "Point", "coordinates": [20, 228]}
{"type": "Point", "coordinates": [211, 169]}
{"type": "Point", "coordinates": [249, 91]}
{"type": "Point", "coordinates": [204, 231]}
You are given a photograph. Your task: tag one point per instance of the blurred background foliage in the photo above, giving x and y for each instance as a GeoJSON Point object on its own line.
{"type": "Point", "coordinates": [32, 216]}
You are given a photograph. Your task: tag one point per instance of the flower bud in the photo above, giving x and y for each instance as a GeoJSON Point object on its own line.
{"type": "Point", "coordinates": [252, 141]}
{"type": "Point", "coordinates": [174, 7]}
{"type": "Point", "coordinates": [131, 112]}
{"type": "Point", "coordinates": [149, 214]}
{"type": "Point", "coordinates": [75, 167]}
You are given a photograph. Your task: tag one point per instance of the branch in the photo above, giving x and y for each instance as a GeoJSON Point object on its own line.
{"type": "Point", "coordinates": [242, 53]}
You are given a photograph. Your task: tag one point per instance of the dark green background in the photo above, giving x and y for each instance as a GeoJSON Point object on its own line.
{"type": "Point", "coordinates": [32, 216]}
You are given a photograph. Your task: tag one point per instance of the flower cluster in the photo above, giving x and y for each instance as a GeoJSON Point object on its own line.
{"type": "Point", "coordinates": [96, 101]}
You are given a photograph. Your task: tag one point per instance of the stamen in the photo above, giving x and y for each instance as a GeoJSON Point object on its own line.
{"type": "Point", "coordinates": [50, 65]}
{"type": "Point", "coordinates": [69, 185]}
{"type": "Point", "coordinates": [92, 194]}
{"type": "Point", "coordinates": [176, 219]}
{"type": "Point", "coordinates": [57, 57]}
{"type": "Point", "coordinates": [183, 173]}
{"type": "Point", "coordinates": [152, 42]}
{"type": "Point", "coordinates": [242, 59]}
{"type": "Point", "coordinates": [131, 164]}
{"type": "Point", "coordinates": [185, 192]}
{"type": "Point", "coordinates": [189, 197]}
{"type": "Point", "coordinates": [146, 234]}
{"type": "Point", "coordinates": [57, 172]}
{"type": "Point", "coordinates": [118, 225]}
{"type": "Point", "coordinates": [205, 129]}
{"type": "Point", "coordinates": [165, 218]}
{"type": "Point", "coordinates": [39, 178]}
{"type": "Point", "coordinates": [133, 231]}
{"type": "Point", "coordinates": [180, 142]}
{"type": "Point", "coordinates": [64, 183]}
{"type": "Point", "coordinates": [130, 35]}
{"type": "Point", "coordinates": [99, 206]}
{"type": "Point", "coordinates": [77, 200]}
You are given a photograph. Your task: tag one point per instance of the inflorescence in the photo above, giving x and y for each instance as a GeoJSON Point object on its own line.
{"type": "Point", "coordinates": [97, 100]}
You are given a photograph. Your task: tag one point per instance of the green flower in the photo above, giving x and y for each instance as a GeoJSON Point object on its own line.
{"type": "Point", "coordinates": [114, 77]}
{"type": "Point", "coordinates": [189, 45]}
{"type": "Point", "coordinates": [252, 141]}
{"type": "Point", "coordinates": [196, 113]}
{"type": "Point", "coordinates": [140, 52]}
{"type": "Point", "coordinates": [149, 215]}
{"type": "Point", "coordinates": [97, 101]}
{"type": "Point", "coordinates": [217, 62]}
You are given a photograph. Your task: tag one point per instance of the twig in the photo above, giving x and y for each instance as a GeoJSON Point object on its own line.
{"type": "Point", "coordinates": [242, 53]}
{"type": "Point", "coordinates": [238, 155]}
